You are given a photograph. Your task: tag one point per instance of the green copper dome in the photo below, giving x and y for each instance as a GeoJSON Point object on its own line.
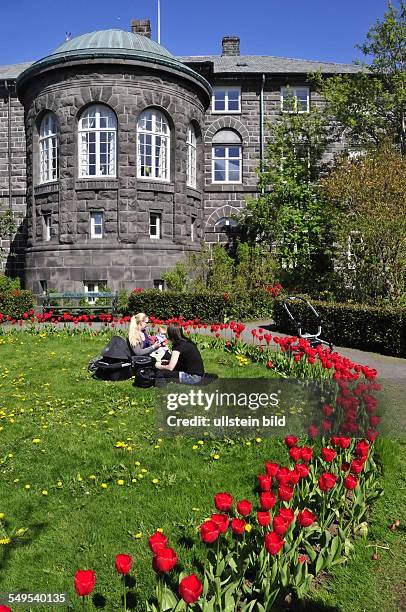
{"type": "Point", "coordinates": [114, 40]}
{"type": "Point", "coordinates": [112, 45]}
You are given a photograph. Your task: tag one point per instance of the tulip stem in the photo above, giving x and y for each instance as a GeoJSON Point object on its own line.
{"type": "Point", "coordinates": [125, 594]}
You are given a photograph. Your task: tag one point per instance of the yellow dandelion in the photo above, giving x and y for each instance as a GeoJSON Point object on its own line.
{"type": "Point", "coordinates": [137, 463]}
{"type": "Point", "coordinates": [195, 447]}
{"type": "Point", "coordinates": [45, 492]}
{"type": "Point", "coordinates": [111, 412]}
{"type": "Point", "coordinates": [21, 531]}
{"type": "Point", "coordinates": [92, 477]}
{"type": "Point", "coordinates": [138, 535]}
{"type": "Point", "coordinates": [216, 457]}
{"type": "Point", "coordinates": [160, 530]}
{"type": "Point", "coordinates": [144, 471]}
{"type": "Point", "coordinates": [103, 485]}
{"type": "Point", "coordinates": [5, 541]}
{"type": "Point", "coordinates": [195, 509]}
{"type": "Point", "coordinates": [248, 528]}
{"type": "Point", "coordinates": [2, 515]}
{"type": "Point", "coordinates": [159, 440]}
{"type": "Point", "coordinates": [16, 480]}
{"type": "Point", "coordinates": [248, 443]}
{"type": "Point", "coordinates": [120, 482]}
{"type": "Point", "coordinates": [155, 481]}
{"type": "Point", "coordinates": [259, 440]}
{"type": "Point", "coordinates": [27, 487]}
{"type": "Point", "coordinates": [200, 442]}
{"type": "Point", "coordinates": [134, 480]}
{"type": "Point", "coordinates": [10, 455]}
{"type": "Point", "coordinates": [59, 483]}
{"type": "Point", "coordinates": [36, 441]}
{"type": "Point", "coordinates": [157, 446]}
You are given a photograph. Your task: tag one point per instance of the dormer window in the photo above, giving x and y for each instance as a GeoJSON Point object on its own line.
{"type": "Point", "coordinates": [226, 100]}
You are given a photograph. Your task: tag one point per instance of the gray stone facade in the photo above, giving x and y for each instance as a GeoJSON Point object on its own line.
{"type": "Point", "coordinates": [126, 256]}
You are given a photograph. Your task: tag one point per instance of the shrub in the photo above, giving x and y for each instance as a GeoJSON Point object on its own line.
{"type": "Point", "coordinates": [378, 329]}
{"type": "Point", "coordinates": [16, 303]}
{"type": "Point", "coordinates": [207, 306]}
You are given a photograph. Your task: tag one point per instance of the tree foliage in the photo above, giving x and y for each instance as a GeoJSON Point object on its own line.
{"type": "Point", "coordinates": [7, 228]}
{"type": "Point", "coordinates": [370, 106]}
{"type": "Point", "coordinates": [370, 196]}
{"type": "Point", "coordinates": [289, 215]}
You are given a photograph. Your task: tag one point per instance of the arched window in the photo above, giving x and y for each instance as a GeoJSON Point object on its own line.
{"type": "Point", "coordinates": [191, 157]}
{"type": "Point", "coordinates": [226, 157]}
{"type": "Point", "coordinates": [48, 148]}
{"type": "Point", "coordinates": [153, 138]}
{"type": "Point", "coordinates": [97, 142]}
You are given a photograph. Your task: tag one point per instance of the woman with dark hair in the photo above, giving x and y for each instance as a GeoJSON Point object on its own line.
{"type": "Point", "coordinates": [186, 364]}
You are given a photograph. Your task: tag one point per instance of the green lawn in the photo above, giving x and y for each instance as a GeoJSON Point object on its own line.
{"type": "Point", "coordinates": [73, 522]}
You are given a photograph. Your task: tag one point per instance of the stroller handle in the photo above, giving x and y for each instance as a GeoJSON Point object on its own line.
{"type": "Point", "coordinates": [292, 298]}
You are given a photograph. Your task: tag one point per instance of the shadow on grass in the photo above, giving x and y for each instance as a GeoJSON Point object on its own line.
{"type": "Point", "coordinates": [34, 530]}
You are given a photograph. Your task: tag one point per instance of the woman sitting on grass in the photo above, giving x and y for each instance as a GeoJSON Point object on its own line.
{"type": "Point", "coordinates": [185, 365]}
{"type": "Point", "coordinates": [140, 342]}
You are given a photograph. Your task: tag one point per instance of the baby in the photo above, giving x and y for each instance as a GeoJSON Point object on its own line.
{"type": "Point", "coordinates": [162, 338]}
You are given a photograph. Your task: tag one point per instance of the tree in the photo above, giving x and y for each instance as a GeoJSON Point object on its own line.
{"type": "Point", "coordinates": [7, 228]}
{"type": "Point", "coordinates": [289, 215]}
{"type": "Point", "coordinates": [370, 195]}
{"type": "Point", "coordinates": [370, 106]}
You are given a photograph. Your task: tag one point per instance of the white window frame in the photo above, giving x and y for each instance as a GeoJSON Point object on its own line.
{"type": "Point", "coordinates": [94, 225]}
{"type": "Point", "coordinates": [47, 226]}
{"type": "Point", "coordinates": [191, 160]}
{"type": "Point", "coordinates": [101, 135]}
{"type": "Point", "coordinates": [95, 285]}
{"type": "Point", "coordinates": [227, 159]}
{"type": "Point", "coordinates": [48, 149]}
{"type": "Point", "coordinates": [158, 225]}
{"type": "Point", "coordinates": [160, 131]}
{"type": "Point", "coordinates": [293, 94]}
{"type": "Point", "coordinates": [226, 110]}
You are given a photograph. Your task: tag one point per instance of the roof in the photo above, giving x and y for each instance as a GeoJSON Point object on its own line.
{"type": "Point", "coordinates": [113, 39]}
{"type": "Point", "coordinates": [11, 71]}
{"type": "Point", "coordinates": [267, 64]}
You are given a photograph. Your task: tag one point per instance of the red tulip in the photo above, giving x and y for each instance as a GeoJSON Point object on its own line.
{"type": "Point", "coordinates": [285, 492]}
{"type": "Point", "coordinates": [279, 525]}
{"type": "Point", "coordinates": [209, 532]}
{"type": "Point", "coordinates": [327, 481]}
{"type": "Point", "coordinates": [362, 449]}
{"type": "Point", "coordinates": [267, 500]}
{"type": "Point", "coordinates": [221, 521]}
{"type": "Point", "coordinates": [84, 582]}
{"type": "Point", "coordinates": [223, 501]}
{"type": "Point", "coordinates": [306, 453]}
{"type": "Point", "coordinates": [244, 507]}
{"type": "Point", "coordinates": [350, 482]}
{"type": "Point", "coordinates": [290, 441]}
{"type": "Point", "coordinates": [357, 465]}
{"type": "Point", "coordinates": [265, 482]}
{"type": "Point", "coordinates": [295, 453]}
{"type": "Point", "coordinates": [157, 541]}
{"type": "Point", "coordinates": [238, 526]}
{"type": "Point", "coordinates": [302, 470]}
{"type": "Point", "coordinates": [271, 468]}
{"type": "Point", "coordinates": [263, 518]}
{"type": "Point", "coordinates": [328, 454]}
{"type": "Point", "coordinates": [283, 475]}
{"type": "Point", "coordinates": [5, 608]}
{"type": "Point", "coordinates": [287, 514]}
{"type": "Point", "coordinates": [190, 588]}
{"type": "Point", "coordinates": [123, 563]}
{"type": "Point", "coordinates": [165, 560]}
{"type": "Point", "coordinates": [273, 543]}
{"type": "Point", "coordinates": [306, 518]}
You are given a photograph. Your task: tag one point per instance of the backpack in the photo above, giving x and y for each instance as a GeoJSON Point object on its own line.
{"type": "Point", "coordinates": [144, 371]}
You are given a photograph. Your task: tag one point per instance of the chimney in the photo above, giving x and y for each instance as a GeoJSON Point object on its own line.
{"type": "Point", "coordinates": [231, 45]}
{"type": "Point", "coordinates": [142, 27]}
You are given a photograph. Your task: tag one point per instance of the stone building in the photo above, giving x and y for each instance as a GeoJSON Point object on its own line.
{"type": "Point", "coordinates": [117, 158]}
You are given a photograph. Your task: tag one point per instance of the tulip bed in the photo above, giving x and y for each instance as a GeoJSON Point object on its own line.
{"type": "Point", "coordinates": [79, 453]}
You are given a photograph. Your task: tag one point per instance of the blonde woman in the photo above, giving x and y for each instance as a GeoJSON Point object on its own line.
{"type": "Point", "coordinates": [139, 340]}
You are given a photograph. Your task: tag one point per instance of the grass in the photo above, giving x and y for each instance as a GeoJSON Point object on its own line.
{"type": "Point", "coordinates": [46, 394]}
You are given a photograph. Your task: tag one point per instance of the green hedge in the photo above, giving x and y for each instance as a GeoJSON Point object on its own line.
{"type": "Point", "coordinates": [208, 306]}
{"type": "Point", "coordinates": [376, 329]}
{"type": "Point", "coordinates": [15, 303]}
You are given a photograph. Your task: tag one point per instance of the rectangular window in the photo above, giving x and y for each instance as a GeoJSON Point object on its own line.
{"type": "Point", "coordinates": [159, 284]}
{"type": "Point", "coordinates": [193, 229]}
{"type": "Point", "coordinates": [226, 100]}
{"type": "Point", "coordinates": [226, 164]}
{"type": "Point", "coordinates": [91, 288]}
{"type": "Point", "coordinates": [47, 226]}
{"type": "Point", "coordinates": [295, 99]}
{"type": "Point", "coordinates": [96, 225]}
{"type": "Point", "coordinates": [155, 225]}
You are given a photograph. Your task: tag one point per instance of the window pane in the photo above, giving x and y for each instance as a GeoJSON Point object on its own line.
{"type": "Point", "coordinates": [219, 152]}
{"type": "Point", "coordinates": [234, 170]}
{"type": "Point", "coordinates": [220, 170]}
{"type": "Point", "coordinates": [234, 151]}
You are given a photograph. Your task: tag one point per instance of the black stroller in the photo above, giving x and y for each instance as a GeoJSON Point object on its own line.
{"type": "Point", "coordinates": [314, 339]}
{"type": "Point", "coordinates": [117, 362]}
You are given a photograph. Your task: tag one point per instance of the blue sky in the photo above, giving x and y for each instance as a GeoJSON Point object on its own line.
{"type": "Point", "coordinates": [309, 29]}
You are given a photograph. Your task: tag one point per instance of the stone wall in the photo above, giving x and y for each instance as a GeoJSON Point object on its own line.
{"type": "Point", "coordinates": [14, 152]}
{"type": "Point", "coordinates": [126, 256]}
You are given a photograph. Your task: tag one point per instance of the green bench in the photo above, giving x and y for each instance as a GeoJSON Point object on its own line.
{"type": "Point", "coordinates": [71, 296]}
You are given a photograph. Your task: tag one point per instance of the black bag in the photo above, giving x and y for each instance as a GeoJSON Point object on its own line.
{"type": "Point", "coordinates": [115, 362]}
{"type": "Point", "coordinates": [144, 371]}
